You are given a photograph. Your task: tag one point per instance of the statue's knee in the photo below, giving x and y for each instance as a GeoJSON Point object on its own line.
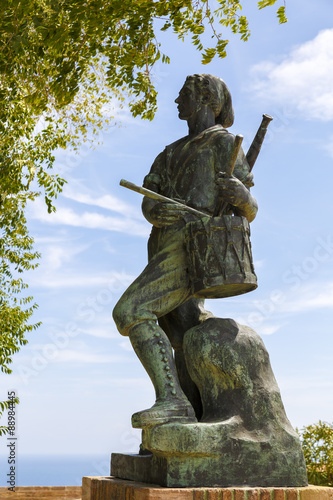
{"type": "Point", "coordinates": [121, 316]}
{"type": "Point", "coordinates": [127, 313]}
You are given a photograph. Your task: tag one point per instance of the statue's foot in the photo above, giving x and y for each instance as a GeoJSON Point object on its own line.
{"type": "Point", "coordinates": [164, 412]}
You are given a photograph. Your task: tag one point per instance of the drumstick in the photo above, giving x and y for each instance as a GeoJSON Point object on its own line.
{"type": "Point", "coordinates": [233, 155]}
{"type": "Point", "coordinates": [221, 206]}
{"type": "Point", "coordinates": [160, 197]}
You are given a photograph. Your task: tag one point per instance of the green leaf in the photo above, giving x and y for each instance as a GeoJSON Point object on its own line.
{"type": "Point", "coordinates": [281, 13]}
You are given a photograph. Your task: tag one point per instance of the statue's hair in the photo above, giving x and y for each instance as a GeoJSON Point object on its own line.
{"type": "Point", "coordinates": [215, 92]}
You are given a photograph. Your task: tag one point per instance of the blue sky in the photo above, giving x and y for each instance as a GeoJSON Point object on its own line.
{"type": "Point", "coordinates": [78, 380]}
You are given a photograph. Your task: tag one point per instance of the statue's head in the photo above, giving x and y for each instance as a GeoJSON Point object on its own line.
{"type": "Point", "coordinates": [212, 91]}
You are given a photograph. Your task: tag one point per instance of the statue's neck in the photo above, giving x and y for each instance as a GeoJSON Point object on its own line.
{"type": "Point", "coordinates": [204, 118]}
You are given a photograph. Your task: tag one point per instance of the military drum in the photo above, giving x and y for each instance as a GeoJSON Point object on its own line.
{"type": "Point", "coordinates": [220, 257]}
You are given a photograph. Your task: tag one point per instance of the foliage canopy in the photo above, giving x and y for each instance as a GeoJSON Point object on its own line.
{"type": "Point", "coordinates": [51, 47]}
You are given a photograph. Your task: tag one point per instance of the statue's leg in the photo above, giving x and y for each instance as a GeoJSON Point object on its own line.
{"type": "Point", "coordinates": [160, 288]}
{"type": "Point", "coordinates": [175, 324]}
{"type": "Point", "coordinates": [155, 353]}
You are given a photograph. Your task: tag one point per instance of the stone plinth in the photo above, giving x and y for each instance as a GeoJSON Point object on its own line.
{"type": "Point", "coordinates": [109, 488]}
{"type": "Point", "coordinates": [242, 463]}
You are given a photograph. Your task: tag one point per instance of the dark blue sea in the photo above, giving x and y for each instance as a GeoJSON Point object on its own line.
{"type": "Point", "coordinates": [43, 470]}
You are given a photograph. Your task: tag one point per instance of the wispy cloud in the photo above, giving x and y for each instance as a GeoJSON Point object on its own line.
{"type": "Point", "coordinates": [55, 256]}
{"type": "Point", "coordinates": [101, 333]}
{"type": "Point", "coordinates": [302, 81]}
{"type": "Point", "coordinates": [90, 220]}
{"type": "Point", "coordinates": [269, 329]}
{"type": "Point", "coordinates": [72, 280]}
{"type": "Point", "coordinates": [40, 356]}
{"type": "Point", "coordinates": [311, 297]}
{"type": "Point", "coordinates": [304, 297]}
{"type": "Point", "coordinates": [274, 310]}
{"type": "Point", "coordinates": [108, 202]}
{"type": "Point", "coordinates": [72, 356]}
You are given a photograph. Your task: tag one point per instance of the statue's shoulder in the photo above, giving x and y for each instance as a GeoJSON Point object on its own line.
{"type": "Point", "coordinates": [173, 145]}
{"type": "Point", "coordinates": [219, 133]}
{"type": "Point", "coordinates": [219, 137]}
{"type": "Point", "coordinates": [217, 130]}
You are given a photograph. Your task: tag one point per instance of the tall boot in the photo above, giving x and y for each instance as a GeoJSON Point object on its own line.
{"type": "Point", "coordinates": [154, 350]}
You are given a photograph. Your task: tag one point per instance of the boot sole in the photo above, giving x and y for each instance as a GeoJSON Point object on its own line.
{"type": "Point", "coordinates": [149, 419]}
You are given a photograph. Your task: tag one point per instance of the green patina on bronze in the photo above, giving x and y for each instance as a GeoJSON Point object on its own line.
{"type": "Point", "coordinates": [220, 257]}
{"type": "Point", "coordinates": [218, 418]}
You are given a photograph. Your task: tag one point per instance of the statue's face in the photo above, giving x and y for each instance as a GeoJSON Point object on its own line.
{"type": "Point", "coordinates": [188, 101]}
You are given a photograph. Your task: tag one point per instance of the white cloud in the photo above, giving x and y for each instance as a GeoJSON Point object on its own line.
{"type": "Point", "coordinates": [269, 329]}
{"type": "Point", "coordinates": [108, 202]}
{"type": "Point", "coordinates": [305, 297]}
{"type": "Point", "coordinates": [90, 220]}
{"type": "Point", "coordinates": [274, 310]}
{"type": "Point", "coordinates": [57, 251]}
{"type": "Point", "coordinates": [82, 280]}
{"type": "Point", "coordinates": [54, 256]}
{"type": "Point", "coordinates": [313, 297]}
{"type": "Point", "coordinates": [101, 333]}
{"type": "Point", "coordinates": [72, 356]}
{"type": "Point", "coordinates": [302, 81]}
{"type": "Point", "coordinates": [39, 356]}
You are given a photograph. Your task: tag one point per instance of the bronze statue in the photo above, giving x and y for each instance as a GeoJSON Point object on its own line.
{"type": "Point", "coordinates": [191, 170]}
{"type": "Point", "coordinates": [218, 419]}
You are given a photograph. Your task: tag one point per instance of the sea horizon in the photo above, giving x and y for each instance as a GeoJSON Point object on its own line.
{"type": "Point", "coordinates": [54, 470]}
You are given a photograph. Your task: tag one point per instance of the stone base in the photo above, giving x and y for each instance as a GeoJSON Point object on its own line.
{"type": "Point", "coordinates": [244, 436]}
{"type": "Point", "coordinates": [109, 488]}
{"type": "Point", "coordinates": [211, 471]}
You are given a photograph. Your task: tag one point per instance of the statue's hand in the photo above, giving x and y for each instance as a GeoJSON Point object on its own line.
{"type": "Point", "coordinates": [248, 181]}
{"type": "Point", "coordinates": [166, 214]}
{"type": "Point", "coordinates": [233, 190]}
